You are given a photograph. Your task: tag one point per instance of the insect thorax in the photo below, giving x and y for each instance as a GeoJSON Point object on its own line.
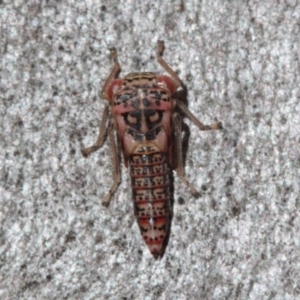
{"type": "Point", "coordinates": [142, 110]}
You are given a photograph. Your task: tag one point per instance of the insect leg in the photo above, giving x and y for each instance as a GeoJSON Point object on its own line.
{"type": "Point", "coordinates": [179, 157]}
{"type": "Point", "coordinates": [201, 126]}
{"type": "Point", "coordinates": [162, 62]}
{"type": "Point", "coordinates": [102, 135]}
{"type": "Point", "coordinates": [114, 150]}
{"type": "Point", "coordinates": [113, 74]}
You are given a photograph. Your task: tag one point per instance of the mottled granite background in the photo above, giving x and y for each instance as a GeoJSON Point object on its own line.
{"type": "Point", "coordinates": [239, 240]}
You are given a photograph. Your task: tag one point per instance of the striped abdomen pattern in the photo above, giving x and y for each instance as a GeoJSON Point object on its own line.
{"type": "Point", "coordinates": [150, 181]}
{"type": "Point", "coordinates": [142, 110]}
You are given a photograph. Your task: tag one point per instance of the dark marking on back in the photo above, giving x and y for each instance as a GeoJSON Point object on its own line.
{"type": "Point", "coordinates": [135, 104]}
{"type": "Point", "coordinates": [146, 102]}
{"type": "Point", "coordinates": [153, 117]}
{"type": "Point", "coordinates": [155, 94]}
{"type": "Point", "coordinates": [133, 119]}
{"type": "Point", "coordinates": [137, 136]}
{"type": "Point", "coordinates": [151, 135]}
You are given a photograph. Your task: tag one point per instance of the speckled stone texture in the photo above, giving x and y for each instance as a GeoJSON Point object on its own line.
{"type": "Point", "coordinates": [239, 239]}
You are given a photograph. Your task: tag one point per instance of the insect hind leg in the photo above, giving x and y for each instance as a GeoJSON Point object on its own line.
{"type": "Point", "coordinates": [107, 128]}
{"type": "Point", "coordinates": [177, 123]}
{"type": "Point", "coordinates": [114, 150]}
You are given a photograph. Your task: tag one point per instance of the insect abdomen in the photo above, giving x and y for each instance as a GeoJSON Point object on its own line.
{"type": "Point", "coordinates": [150, 181]}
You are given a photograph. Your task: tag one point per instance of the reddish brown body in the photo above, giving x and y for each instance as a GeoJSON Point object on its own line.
{"type": "Point", "coordinates": [142, 106]}
{"type": "Point", "coordinates": [141, 111]}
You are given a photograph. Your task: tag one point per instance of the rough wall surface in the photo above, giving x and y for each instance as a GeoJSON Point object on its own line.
{"type": "Point", "coordinates": [240, 63]}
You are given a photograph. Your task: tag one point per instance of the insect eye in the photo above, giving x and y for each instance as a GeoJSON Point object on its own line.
{"type": "Point", "coordinates": [115, 85]}
{"type": "Point", "coordinates": [167, 82]}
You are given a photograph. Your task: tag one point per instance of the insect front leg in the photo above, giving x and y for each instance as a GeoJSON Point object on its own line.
{"type": "Point", "coordinates": [113, 74]}
{"type": "Point", "coordinates": [114, 150]}
{"type": "Point", "coordinates": [177, 81]}
{"type": "Point", "coordinates": [200, 125]}
{"type": "Point", "coordinates": [102, 135]}
{"type": "Point", "coordinates": [162, 62]}
{"type": "Point", "coordinates": [103, 130]}
{"type": "Point", "coordinates": [177, 123]}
